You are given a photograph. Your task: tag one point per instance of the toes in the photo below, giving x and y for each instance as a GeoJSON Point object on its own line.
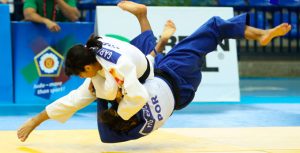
{"type": "Point", "coordinates": [170, 23]}
{"type": "Point", "coordinates": [120, 4]}
{"type": "Point", "coordinates": [289, 27]}
{"type": "Point", "coordinates": [284, 24]}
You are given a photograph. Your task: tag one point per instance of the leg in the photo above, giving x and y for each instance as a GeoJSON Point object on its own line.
{"type": "Point", "coordinates": [207, 37]}
{"type": "Point", "coordinates": [145, 41]}
{"type": "Point", "coordinates": [168, 31]}
{"type": "Point", "coordinates": [265, 36]}
{"type": "Point", "coordinates": [138, 10]}
{"type": "Point", "coordinates": [185, 60]}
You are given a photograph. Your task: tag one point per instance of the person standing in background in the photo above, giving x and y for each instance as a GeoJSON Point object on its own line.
{"type": "Point", "coordinates": [4, 1]}
{"type": "Point", "coordinates": [50, 11]}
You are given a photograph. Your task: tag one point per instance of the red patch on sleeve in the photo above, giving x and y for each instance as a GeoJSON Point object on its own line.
{"type": "Point", "coordinates": [114, 74]}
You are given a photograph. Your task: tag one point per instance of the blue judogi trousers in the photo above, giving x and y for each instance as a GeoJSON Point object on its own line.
{"type": "Point", "coordinates": [184, 61]}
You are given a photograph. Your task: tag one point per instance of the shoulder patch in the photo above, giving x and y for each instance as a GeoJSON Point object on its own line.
{"type": "Point", "coordinates": [108, 55]}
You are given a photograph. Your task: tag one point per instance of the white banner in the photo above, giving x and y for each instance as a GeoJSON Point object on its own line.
{"type": "Point", "coordinates": [220, 78]}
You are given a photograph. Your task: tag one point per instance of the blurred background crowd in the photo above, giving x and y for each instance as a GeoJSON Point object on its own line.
{"type": "Point", "coordinates": [280, 58]}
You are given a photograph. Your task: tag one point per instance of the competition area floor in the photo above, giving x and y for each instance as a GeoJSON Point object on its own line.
{"type": "Point", "coordinates": [165, 140]}
{"type": "Point", "coordinates": [267, 120]}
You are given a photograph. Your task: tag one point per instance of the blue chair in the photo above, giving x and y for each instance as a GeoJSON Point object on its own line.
{"type": "Point", "coordinates": [291, 20]}
{"type": "Point", "coordinates": [259, 2]}
{"type": "Point", "coordinates": [85, 1]}
{"type": "Point", "coordinates": [203, 3]}
{"type": "Point", "coordinates": [232, 2]}
{"type": "Point", "coordinates": [258, 20]}
{"type": "Point", "coordinates": [146, 2]}
{"type": "Point", "coordinates": [289, 3]}
{"type": "Point", "coordinates": [274, 2]}
{"type": "Point", "coordinates": [90, 16]}
{"type": "Point", "coordinates": [114, 2]}
{"type": "Point", "coordinates": [107, 2]}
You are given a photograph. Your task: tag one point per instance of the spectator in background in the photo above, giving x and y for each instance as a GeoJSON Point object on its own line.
{"type": "Point", "coordinates": [50, 11]}
{"type": "Point", "coordinates": [180, 2]}
{"type": "Point", "coordinates": [3, 1]}
{"type": "Point", "coordinates": [17, 14]}
{"type": "Point", "coordinates": [204, 2]}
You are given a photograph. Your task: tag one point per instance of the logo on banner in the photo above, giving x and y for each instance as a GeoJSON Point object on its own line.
{"type": "Point", "coordinates": [44, 72]}
{"type": "Point", "coordinates": [48, 62]}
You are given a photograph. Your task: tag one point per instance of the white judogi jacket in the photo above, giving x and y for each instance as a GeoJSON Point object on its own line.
{"type": "Point", "coordinates": [122, 65]}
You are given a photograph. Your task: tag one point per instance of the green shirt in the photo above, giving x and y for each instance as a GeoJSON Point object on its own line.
{"type": "Point", "coordinates": [38, 5]}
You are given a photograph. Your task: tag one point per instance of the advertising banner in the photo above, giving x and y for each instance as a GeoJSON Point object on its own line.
{"type": "Point", "coordinates": [39, 60]}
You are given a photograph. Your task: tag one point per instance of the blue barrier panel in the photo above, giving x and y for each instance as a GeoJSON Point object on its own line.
{"type": "Point", "coordinates": [232, 2]}
{"type": "Point", "coordinates": [259, 2]}
{"type": "Point", "coordinates": [6, 83]}
{"type": "Point", "coordinates": [38, 60]}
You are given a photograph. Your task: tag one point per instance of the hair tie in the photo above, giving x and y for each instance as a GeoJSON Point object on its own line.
{"type": "Point", "coordinates": [94, 49]}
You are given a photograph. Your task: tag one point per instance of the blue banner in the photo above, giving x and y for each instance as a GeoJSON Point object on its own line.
{"type": "Point", "coordinates": [6, 82]}
{"type": "Point", "coordinates": [274, 2]}
{"type": "Point", "coordinates": [38, 60]}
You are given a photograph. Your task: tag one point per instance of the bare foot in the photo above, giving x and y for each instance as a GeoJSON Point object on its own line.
{"type": "Point", "coordinates": [26, 129]}
{"type": "Point", "coordinates": [279, 30]}
{"type": "Point", "coordinates": [134, 8]}
{"type": "Point", "coordinates": [168, 31]}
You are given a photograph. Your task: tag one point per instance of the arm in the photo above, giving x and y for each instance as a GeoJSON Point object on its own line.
{"type": "Point", "coordinates": [69, 9]}
{"type": "Point", "coordinates": [135, 94]}
{"type": "Point", "coordinates": [60, 110]}
{"type": "Point", "coordinates": [31, 15]}
{"type": "Point", "coordinates": [31, 124]}
{"type": "Point", "coordinates": [64, 108]}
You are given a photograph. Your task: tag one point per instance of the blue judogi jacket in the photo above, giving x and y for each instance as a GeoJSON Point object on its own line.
{"type": "Point", "coordinates": [183, 63]}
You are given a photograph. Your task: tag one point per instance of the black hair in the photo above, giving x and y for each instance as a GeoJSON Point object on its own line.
{"type": "Point", "coordinates": [78, 56]}
{"type": "Point", "coordinates": [111, 118]}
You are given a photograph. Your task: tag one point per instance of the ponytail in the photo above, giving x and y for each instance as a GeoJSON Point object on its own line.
{"type": "Point", "coordinates": [93, 44]}
{"type": "Point", "coordinates": [78, 56]}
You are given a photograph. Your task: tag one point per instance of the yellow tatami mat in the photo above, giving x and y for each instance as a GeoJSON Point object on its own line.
{"type": "Point", "coordinates": [198, 140]}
